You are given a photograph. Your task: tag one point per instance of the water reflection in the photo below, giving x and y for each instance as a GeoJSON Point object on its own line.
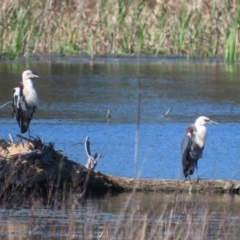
{"type": "Point", "coordinates": [75, 95]}
{"type": "Point", "coordinates": [74, 98]}
{"type": "Point", "coordinates": [123, 217]}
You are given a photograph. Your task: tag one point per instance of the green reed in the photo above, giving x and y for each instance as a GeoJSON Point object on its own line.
{"type": "Point", "coordinates": [119, 27]}
{"type": "Point", "coordinates": [231, 45]}
{"type": "Point", "coordinates": [19, 27]}
{"type": "Point", "coordinates": [184, 21]}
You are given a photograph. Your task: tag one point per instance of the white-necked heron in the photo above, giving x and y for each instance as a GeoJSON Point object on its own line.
{"type": "Point", "coordinates": [193, 144]}
{"type": "Point", "coordinates": [24, 100]}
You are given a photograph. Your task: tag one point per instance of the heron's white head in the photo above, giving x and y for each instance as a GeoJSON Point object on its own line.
{"type": "Point", "coordinates": [201, 121]}
{"type": "Point", "coordinates": [28, 74]}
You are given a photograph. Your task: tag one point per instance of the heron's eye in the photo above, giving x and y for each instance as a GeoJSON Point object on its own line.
{"type": "Point", "coordinates": [206, 120]}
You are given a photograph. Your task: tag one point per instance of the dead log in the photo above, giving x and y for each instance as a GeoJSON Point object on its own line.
{"type": "Point", "coordinates": [33, 168]}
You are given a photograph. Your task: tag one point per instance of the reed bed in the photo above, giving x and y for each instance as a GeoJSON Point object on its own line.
{"type": "Point", "coordinates": [137, 217]}
{"type": "Point", "coordinates": [153, 27]}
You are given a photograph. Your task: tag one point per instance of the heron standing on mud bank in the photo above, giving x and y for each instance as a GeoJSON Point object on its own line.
{"type": "Point", "coordinates": [24, 101]}
{"type": "Point", "coordinates": [193, 144]}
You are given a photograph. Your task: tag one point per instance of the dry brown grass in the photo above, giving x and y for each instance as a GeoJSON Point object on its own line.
{"type": "Point", "coordinates": [133, 216]}
{"type": "Point", "coordinates": [197, 28]}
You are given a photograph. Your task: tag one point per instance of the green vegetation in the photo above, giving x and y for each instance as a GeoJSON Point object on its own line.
{"type": "Point", "coordinates": [232, 38]}
{"type": "Point", "coordinates": [202, 28]}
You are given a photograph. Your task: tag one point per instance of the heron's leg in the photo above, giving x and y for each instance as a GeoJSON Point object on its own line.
{"type": "Point", "coordinates": [190, 188]}
{"type": "Point", "coordinates": [21, 140]}
{"type": "Point", "coordinates": [198, 178]}
{"type": "Point", "coordinates": [185, 179]}
{"type": "Point", "coordinates": [28, 132]}
{"type": "Point", "coordinates": [188, 178]}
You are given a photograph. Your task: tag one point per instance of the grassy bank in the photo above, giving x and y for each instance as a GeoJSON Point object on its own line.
{"type": "Point", "coordinates": [192, 28]}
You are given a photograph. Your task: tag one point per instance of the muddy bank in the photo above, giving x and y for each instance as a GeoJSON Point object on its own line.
{"type": "Point", "coordinates": [32, 168]}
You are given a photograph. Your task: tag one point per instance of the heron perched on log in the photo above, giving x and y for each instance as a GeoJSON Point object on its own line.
{"type": "Point", "coordinates": [24, 101]}
{"type": "Point", "coordinates": [193, 144]}
{"type": "Point", "coordinates": [92, 160]}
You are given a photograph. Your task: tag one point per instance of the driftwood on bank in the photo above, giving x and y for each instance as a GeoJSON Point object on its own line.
{"type": "Point", "coordinates": [37, 169]}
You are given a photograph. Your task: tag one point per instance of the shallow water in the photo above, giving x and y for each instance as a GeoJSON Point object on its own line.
{"type": "Point", "coordinates": [75, 95]}
{"type": "Point", "coordinates": [204, 216]}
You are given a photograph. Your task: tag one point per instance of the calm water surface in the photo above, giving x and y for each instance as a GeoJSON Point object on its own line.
{"type": "Point", "coordinates": [74, 98]}
{"type": "Point", "coordinates": [123, 217]}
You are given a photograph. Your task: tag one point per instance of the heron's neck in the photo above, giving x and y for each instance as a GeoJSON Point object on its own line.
{"type": "Point", "coordinates": [201, 135]}
{"type": "Point", "coordinates": [29, 92]}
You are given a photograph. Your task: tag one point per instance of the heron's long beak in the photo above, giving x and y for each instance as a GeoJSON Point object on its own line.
{"type": "Point", "coordinates": [34, 75]}
{"type": "Point", "coordinates": [213, 122]}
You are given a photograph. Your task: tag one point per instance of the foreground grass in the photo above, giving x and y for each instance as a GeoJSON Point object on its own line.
{"type": "Point", "coordinates": [132, 216]}
{"type": "Point", "coordinates": [41, 199]}
{"type": "Point", "coordinates": [193, 28]}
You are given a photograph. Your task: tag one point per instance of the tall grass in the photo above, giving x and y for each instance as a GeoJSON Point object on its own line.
{"type": "Point", "coordinates": [135, 216]}
{"type": "Point", "coordinates": [20, 28]}
{"type": "Point", "coordinates": [202, 28]}
{"type": "Point", "coordinates": [231, 45]}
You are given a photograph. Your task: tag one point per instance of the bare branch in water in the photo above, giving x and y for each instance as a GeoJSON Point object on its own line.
{"type": "Point", "coordinates": [92, 160]}
{"type": "Point", "coordinates": [168, 112]}
{"type": "Point", "coordinates": [5, 104]}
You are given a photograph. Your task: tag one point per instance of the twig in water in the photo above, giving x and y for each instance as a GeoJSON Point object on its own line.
{"type": "Point", "coordinates": [92, 160]}
{"type": "Point", "coordinates": [168, 112]}
{"type": "Point", "coordinates": [5, 104]}
{"type": "Point", "coordinates": [108, 117]}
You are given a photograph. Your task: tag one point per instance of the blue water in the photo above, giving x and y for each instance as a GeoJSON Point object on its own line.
{"type": "Point", "coordinates": [74, 99]}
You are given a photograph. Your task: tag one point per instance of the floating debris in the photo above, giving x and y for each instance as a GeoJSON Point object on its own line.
{"type": "Point", "coordinates": [92, 160]}
{"type": "Point", "coordinates": [108, 117]}
{"type": "Point", "coordinates": [168, 113]}
{"type": "Point", "coordinates": [5, 104]}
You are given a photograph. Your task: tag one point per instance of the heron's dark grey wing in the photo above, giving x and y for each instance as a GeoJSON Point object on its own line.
{"type": "Point", "coordinates": [196, 151]}
{"type": "Point", "coordinates": [34, 109]}
{"type": "Point", "coordinates": [186, 147]}
{"type": "Point", "coordinates": [25, 114]}
{"type": "Point", "coordinates": [188, 164]}
{"type": "Point", "coordinates": [87, 147]}
{"type": "Point", "coordinates": [16, 98]}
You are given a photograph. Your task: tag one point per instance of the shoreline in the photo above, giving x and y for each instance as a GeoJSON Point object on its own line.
{"type": "Point", "coordinates": [114, 59]}
{"type": "Point", "coordinates": [32, 169]}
